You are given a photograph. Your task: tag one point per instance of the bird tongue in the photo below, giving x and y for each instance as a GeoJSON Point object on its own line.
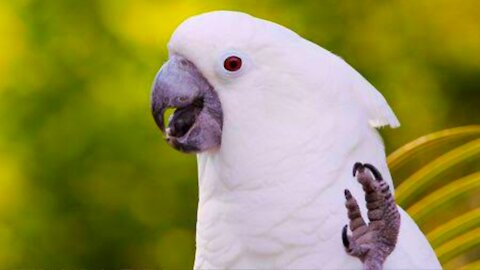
{"type": "Point", "coordinates": [182, 120]}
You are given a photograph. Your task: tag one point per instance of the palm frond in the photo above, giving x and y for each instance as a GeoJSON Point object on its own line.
{"type": "Point", "coordinates": [470, 266]}
{"type": "Point", "coordinates": [458, 245]}
{"type": "Point", "coordinates": [425, 177]}
{"type": "Point", "coordinates": [404, 153]}
{"type": "Point", "coordinates": [454, 228]}
{"type": "Point", "coordinates": [445, 195]}
{"type": "Point", "coordinates": [424, 193]}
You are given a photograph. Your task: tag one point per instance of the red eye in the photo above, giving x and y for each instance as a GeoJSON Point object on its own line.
{"type": "Point", "coordinates": [232, 63]}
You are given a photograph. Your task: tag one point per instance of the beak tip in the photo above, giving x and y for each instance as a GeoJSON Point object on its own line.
{"type": "Point", "coordinates": [157, 114]}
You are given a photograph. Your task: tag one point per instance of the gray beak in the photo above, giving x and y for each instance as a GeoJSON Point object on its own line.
{"type": "Point", "coordinates": [197, 121]}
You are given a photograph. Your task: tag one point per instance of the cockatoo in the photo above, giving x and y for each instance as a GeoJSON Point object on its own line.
{"type": "Point", "coordinates": [277, 122]}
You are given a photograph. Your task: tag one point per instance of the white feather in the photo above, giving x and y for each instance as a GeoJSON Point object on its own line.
{"type": "Point", "coordinates": [295, 122]}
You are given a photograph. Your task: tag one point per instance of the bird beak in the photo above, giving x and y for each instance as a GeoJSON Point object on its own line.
{"type": "Point", "coordinates": [196, 123]}
{"type": "Point", "coordinates": [176, 85]}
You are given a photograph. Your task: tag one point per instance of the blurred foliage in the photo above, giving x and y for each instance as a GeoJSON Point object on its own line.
{"type": "Point", "coordinates": [441, 194]}
{"type": "Point", "coordinates": [86, 180]}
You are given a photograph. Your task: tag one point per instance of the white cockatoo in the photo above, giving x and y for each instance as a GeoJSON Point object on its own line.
{"type": "Point", "coordinates": [277, 123]}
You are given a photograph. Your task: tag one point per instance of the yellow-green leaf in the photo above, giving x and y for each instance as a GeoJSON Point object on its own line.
{"type": "Point", "coordinates": [454, 228]}
{"type": "Point", "coordinates": [418, 183]}
{"type": "Point", "coordinates": [404, 153]}
{"type": "Point", "coordinates": [445, 195]}
{"type": "Point", "coordinates": [458, 246]}
{"type": "Point", "coordinates": [470, 266]}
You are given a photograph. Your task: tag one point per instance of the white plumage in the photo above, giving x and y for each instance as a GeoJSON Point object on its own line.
{"type": "Point", "coordinates": [295, 121]}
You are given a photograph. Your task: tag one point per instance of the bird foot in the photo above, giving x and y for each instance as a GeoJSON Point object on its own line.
{"type": "Point", "coordinates": [371, 243]}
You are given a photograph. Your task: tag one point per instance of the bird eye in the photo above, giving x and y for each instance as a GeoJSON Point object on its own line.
{"type": "Point", "coordinates": [232, 63]}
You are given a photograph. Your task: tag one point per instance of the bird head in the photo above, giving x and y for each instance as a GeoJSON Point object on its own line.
{"type": "Point", "coordinates": [213, 59]}
{"type": "Point", "coordinates": [229, 72]}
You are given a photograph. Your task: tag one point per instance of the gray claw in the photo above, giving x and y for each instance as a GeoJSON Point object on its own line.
{"type": "Point", "coordinates": [345, 241]}
{"type": "Point", "coordinates": [356, 167]}
{"type": "Point", "coordinates": [374, 242]}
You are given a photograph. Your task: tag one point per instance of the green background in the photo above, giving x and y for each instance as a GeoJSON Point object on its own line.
{"type": "Point", "coordinates": [86, 179]}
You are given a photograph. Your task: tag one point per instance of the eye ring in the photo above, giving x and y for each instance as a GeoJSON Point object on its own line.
{"type": "Point", "coordinates": [232, 63]}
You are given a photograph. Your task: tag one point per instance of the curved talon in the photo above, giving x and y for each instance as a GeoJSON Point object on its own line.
{"type": "Point", "coordinates": [348, 195]}
{"type": "Point", "coordinates": [375, 172]}
{"type": "Point", "coordinates": [345, 241]}
{"type": "Point", "coordinates": [356, 167]}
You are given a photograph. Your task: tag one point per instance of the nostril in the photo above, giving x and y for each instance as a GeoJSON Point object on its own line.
{"type": "Point", "coordinates": [182, 99]}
